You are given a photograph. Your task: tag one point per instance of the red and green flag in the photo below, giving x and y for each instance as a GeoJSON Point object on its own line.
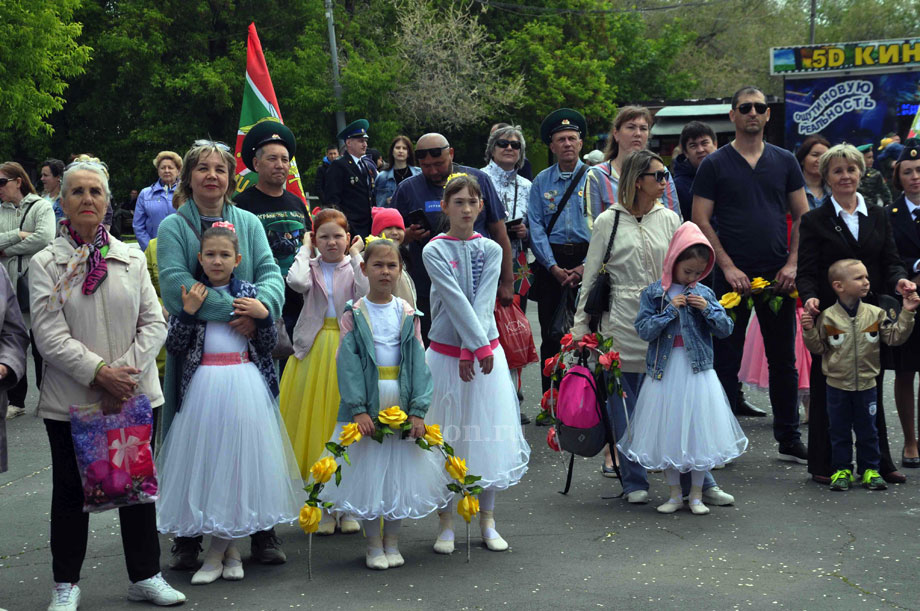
{"type": "Point", "coordinates": [259, 104]}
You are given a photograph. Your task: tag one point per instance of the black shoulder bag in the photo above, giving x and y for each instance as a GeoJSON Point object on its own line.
{"type": "Point", "coordinates": [598, 300]}
{"type": "Point", "coordinates": [541, 274]}
{"type": "Point", "coordinates": [22, 277]}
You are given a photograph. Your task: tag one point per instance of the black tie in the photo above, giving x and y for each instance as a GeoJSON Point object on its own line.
{"type": "Point", "coordinates": [916, 214]}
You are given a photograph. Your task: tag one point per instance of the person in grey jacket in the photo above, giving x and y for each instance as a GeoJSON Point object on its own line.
{"type": "Point", "coordinates": [13, 342]}
{"type": "Point", "coordinates": [26, 226]}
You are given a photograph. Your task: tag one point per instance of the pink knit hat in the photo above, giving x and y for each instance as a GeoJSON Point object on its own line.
{"type": "Point", "coordinates": [385, 217]}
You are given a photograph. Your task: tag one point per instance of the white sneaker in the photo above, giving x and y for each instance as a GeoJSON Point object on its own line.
{"type": "Point", "coordinates": [14, 411]}
{"type": "Point", "coordinates": [65, 597]}
{"type": "Point", "coordinates": [718, 497]}
{"type": "Point", "coordinates": [637, 497]}
{"type": "Point", "coordinates": [155, 590]}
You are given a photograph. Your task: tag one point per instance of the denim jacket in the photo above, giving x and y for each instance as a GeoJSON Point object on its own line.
{"type": "Point", "coordinates": [658, 322]}
{"type": "Point", "coordinates": [385, 185]}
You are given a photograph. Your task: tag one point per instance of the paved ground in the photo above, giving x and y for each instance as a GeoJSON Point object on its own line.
{"type": "Point", "coordinates": [788, 543]}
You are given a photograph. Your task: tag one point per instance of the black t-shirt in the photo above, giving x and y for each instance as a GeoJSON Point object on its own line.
{"type": "Point", "coordinates": [751, 204]}
{"type": "Point", "coordinates": [284, 219]}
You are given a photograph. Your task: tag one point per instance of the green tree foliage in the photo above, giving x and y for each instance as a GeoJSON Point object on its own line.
{"type": "Point", "coordinates": [38, 55]}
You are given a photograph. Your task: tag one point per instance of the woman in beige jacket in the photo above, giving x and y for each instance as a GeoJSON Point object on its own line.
{"type": "Point", "coordinates": [26, 227]}
{"type": "Point", "coordinates": [644, 230]}
{"type": "Point", "coordinates": [99, 326]}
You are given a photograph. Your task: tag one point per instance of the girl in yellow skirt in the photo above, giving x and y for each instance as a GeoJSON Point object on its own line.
{"type": "Point", "coordinates": [309, 386]}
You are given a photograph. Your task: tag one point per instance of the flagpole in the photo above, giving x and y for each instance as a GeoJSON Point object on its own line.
{"type": "Point", "coordinates": [336, 86]}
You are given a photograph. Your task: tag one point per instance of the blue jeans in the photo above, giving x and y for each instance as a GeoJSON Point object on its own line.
{"type": "Point", "coordinates": [620, 412]}
{"type": "Point", "coordinates": [853, 411]}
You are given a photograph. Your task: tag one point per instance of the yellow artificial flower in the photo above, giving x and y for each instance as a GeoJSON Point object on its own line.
{"type": "Point", "coordinates": [468, 507]}
{"type": "Point", "coordinates": [323, 469]}
{"type": "Point", "coordinates": [392, 416]}
{"type": "Point", "coordinates": [456, 468]}
{"type": "Point", "coordinates": [730, 300]}
{"type": "Point", "coordinates": [309, 518]}
{"type": "Point", "coordinates": [455, 175]}
{"type": "Point", "coordinates": [794, 294]}
{"type": "Point", "coordinates": [433, 435]}
{"type": "Point", "coordinates": [758, 284]}
{"type": "Point", "coordinates": [350, 434]}
{"type": "Point", "coordinates": [372, 237]}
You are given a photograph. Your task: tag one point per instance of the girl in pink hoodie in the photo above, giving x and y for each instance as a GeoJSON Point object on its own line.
{"type": "Point", "coordinates": [682, 422]}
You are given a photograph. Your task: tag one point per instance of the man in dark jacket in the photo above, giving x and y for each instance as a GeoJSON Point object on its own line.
{"type": "Point", "coordinates": [332, 153]}
{"type": "Point", "coordinates": [697, 140]}
{"type": "Point", "coordinates": [350, 179]}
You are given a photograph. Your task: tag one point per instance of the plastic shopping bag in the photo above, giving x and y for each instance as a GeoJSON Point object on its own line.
{"type": "Point", "coordinates": [515, 335]}
{"type": "Point", "coordinates": [114, 455]}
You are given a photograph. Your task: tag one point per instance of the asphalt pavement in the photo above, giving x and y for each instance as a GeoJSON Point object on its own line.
{"type": "Point", "coordinates": [788, 543]}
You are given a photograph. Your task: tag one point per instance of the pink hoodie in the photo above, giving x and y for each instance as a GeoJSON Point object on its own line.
{"type": "Point", "coordinates": [686, 236]}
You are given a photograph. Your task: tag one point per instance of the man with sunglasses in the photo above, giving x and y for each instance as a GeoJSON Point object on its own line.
{"type": "Point", "coordinates": [350, 179]}
{"type": "Point", "coordinates": [418, 199]}
{"type": "Point", "coordinates": [747, 188]}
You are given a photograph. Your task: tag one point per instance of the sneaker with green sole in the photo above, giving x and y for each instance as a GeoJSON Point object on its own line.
{"type": "Point", "coordinates": [871, 480]}
{"type": "Point", "coordinates": [840, 481]}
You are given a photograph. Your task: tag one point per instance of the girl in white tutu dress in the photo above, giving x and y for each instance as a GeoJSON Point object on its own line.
{"type": "Point", "coordinates": [226, 467]}
{"type": "Point", "coordinates": [381, 363]}
{"type": "Point", "coordinates": [477, 410]}
{"type": "Point", "coordinates": [682, 421]}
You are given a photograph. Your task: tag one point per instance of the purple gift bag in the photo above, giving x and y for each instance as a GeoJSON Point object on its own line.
{"type": "Point", "coordinates": [114, 455]}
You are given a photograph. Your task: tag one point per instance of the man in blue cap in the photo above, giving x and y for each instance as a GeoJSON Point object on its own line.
{"type": "Point", "coordinates": [350, 179]}
{"type": "Point", "coordinates": [558, 222]}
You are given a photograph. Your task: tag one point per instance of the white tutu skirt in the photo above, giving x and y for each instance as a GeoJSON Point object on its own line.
{"type": "Point", "coordinates": [682, 421]}
{"type": "Point", "coordinates": [394, 480]}
{"type": "Point", "coordinates": [226, 467]}
{"type": "Point", "coordinates": [480, 419]}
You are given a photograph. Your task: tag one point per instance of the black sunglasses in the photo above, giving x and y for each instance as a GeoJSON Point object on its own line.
{"type": "Point", "coordinates": [745, 108]}
{"type": "Point", "coordinates": [503, 144]}
{"type": "Point", "coordinates": [660, 175]}
{"type": "Point", "coordinates": [3, 181]}
{"type": "Point", "coordinates": [435, 152]}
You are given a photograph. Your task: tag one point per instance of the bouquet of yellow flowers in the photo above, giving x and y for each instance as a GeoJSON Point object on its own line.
{"type": "Point", "coordinates": [759, 286]}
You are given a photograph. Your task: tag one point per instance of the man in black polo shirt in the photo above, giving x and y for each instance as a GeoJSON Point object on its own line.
{"type": "Point", "coordinates": [267, 150]}
{"type": "Point", "coordinates": [748, 187]}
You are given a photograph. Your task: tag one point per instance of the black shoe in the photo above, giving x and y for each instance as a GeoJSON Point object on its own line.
{"type": "Point", "coordinates": [744, 408]}
{"type": "Point", "coordinates": [520, 394]}
{"type": "Point", "coordinates": [794, 451]}
{"type": "Point", "coordinates": [524, 419]}
{"type": "Point", "coordinates": [185, 553]}
{"type": "Point", "coordinates": [266, 548]}
{"type": "Point", "coordinates": [909, 463]}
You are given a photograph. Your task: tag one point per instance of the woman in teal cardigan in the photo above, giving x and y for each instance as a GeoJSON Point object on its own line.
{"type": "Point", "coordinates": [202, 198]}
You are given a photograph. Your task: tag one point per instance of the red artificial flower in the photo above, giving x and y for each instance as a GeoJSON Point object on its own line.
{"type": "Point", "coordinates": [550, 365]}
{"type": "Point", "coordinates": [609, 359]}
{"type": "Point", "coordinates": [551, 439]}
{"type": "Point", "coordinates": [548, 401]}
{"type": "Point", "coordinates": [588, 340]}
{"type": "Point", "coordinates": [567, 342]}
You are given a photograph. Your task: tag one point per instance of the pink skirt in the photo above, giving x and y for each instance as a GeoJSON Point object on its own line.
{"type": "Point", "coordinates": [754, 369]}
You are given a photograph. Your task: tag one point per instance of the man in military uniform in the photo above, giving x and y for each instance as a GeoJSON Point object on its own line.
{"type": "Point", "coordinates": [559, 233]}
{"type": "Point", "coordinates": [350, 179]}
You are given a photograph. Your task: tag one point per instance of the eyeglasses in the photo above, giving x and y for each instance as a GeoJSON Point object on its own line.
{"type": "Point", "coordinates": [218, 145]}
{"type": "Point", "coordinates": [3, 181]}
{"type": "Point", "coordinates": [745, 108]}
{"type": "Point", "coordinates": [660, 175]}
{"type": "Point", "coordinates": [503, 144]}
{"type": "Point", "coordinates": [435, 152]}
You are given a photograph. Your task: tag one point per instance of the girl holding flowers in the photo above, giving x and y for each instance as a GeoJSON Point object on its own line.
{"type": "Point", "coordinates": [478, 410]}
{"type": "Point", "coordinates": [226, 467]}
{"type": "Point", "coordinates": [381, 365]}
{"type": "Point", "coordinates": [309, 391]}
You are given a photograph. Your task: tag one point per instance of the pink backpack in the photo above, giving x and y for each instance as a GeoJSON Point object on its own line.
{"type": "Point", "coordinates": [581, 416]}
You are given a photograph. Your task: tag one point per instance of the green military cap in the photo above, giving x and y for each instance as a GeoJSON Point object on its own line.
{"type": "Point", "coordinates": [865, 148]}
{"type": "Point", "coordinates": [355, 129]}
{"type": "Point", "coordinates": [266, 132]}
{"type": "Point", "coordinates": [560, 120]}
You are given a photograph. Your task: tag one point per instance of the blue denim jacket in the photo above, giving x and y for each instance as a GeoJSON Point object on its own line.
{"type": "Point", "coordinates": [658, 322]}
{"type": "Point", "coordinates": [385, 185]}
